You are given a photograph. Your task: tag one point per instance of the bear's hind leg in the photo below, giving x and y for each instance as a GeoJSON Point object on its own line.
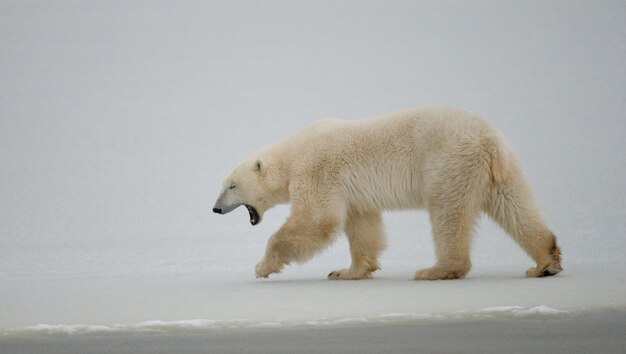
{"type": "Point", "coordinates": [452, 228]}
{"type": "Point", "coordinates": [367, 240]}
{"type": "Point", "coordinates": [514, 208]}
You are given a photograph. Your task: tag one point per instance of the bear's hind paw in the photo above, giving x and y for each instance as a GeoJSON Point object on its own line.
{"type": "Point", "coordinates": [545, 271]}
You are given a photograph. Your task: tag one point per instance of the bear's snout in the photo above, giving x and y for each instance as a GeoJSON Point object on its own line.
{"type": "Point", "coordinates": [217, 211]}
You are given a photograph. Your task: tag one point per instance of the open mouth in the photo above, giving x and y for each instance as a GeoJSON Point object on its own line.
{"type": "Point", "coordinates": [254, 215]}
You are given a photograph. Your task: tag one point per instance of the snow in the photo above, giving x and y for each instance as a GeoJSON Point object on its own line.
{"type": "Point", "coordinates": [540, 311]}
{"type": "Point", "coordinates": [119, 120]}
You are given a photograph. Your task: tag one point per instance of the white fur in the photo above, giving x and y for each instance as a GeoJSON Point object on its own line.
{"type": "Point", "coordinates": [340, 175]}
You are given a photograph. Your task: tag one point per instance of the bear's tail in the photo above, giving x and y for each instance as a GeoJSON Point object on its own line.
{"type": "Point", "coordinates": [511, 204]}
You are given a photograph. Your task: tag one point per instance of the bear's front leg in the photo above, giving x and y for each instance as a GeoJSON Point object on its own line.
{"type": "Point", "coordinates": [295, 241]}
{"type": "Point", "coordinates": [274, 259]}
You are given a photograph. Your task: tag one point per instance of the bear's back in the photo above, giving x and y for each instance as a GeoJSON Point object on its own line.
{"type": "Point", "coordinates": [378, 162]}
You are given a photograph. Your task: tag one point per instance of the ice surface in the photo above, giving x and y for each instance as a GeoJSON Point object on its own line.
{"type": "Point", "coordinates": [159, 303]}
{"type": "Point", "coordinates": [119, 120]}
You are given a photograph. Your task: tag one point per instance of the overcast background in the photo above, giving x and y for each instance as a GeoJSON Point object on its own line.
{"type": "Point", "coordinates": [119, 120]}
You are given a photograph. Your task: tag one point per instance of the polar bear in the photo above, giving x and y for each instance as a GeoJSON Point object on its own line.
{"type": "Point", "coordinates": [340, 175]}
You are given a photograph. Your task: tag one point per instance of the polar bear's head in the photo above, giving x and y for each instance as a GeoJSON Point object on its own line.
{"type": "Point", "coordinates": [254, 183]}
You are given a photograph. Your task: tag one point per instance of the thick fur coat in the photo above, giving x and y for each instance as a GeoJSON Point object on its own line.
{"type": "Point", "coordinates": [339, 176]}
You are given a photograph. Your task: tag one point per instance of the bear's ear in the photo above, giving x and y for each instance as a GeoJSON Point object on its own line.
{"type": "Point", "coordinates": [258, 166]}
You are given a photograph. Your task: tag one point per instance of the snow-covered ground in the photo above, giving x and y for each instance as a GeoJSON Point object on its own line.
{"type": "Point", "coordinates": [118, 121]}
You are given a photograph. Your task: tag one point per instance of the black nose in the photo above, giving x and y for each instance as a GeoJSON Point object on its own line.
{"type": "Point", "coordinates": [217, 210]}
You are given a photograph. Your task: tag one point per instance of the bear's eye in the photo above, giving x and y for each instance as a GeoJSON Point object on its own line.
{"type": "Point", "coordinates": [232, 186]}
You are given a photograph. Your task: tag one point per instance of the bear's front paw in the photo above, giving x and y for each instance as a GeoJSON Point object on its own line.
{"type": "Point", "coordinates": [264, 269]}
{"type": "Point", "coordinates": [348, 274]}
{"type": "Point", "coordinates": [441, 273]}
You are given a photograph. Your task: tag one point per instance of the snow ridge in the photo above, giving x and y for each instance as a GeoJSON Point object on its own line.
{"type": "Point", "coordinates": [198, 325]}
